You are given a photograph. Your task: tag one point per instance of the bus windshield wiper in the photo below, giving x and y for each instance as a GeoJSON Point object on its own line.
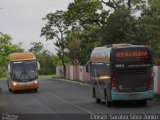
{"type": "Point", "coordinates": [20, 76]}
{"type": "Point", "coordinates": [28, 76]}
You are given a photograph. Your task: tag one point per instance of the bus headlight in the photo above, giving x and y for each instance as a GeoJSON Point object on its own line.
{"type": "Point", "coordinates": [36, 82]}
{"type": "Point", "coordinates": [14, 83]}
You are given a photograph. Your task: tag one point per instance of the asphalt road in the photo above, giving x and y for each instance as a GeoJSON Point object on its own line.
{"type": "Point", "coordinates": [63, 98]}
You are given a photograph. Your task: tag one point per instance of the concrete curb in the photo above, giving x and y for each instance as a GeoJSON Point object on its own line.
{"type": "Point", "coordinates": [71, 81]}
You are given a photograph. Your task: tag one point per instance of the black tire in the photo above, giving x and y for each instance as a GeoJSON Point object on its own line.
{"type": "Point", "coordinates": [35, 90]}
{"type": "Point", "coordinates": [93, 92]}
{"type": "Point", "coordinates": [108, 103]}
{"type": "Point", "coordinates": [98, 100]}
{"type": "Point", "coordinates": [144, 102]}
{"type": "Point", "coordinates": [9, 89]}
{"type": "Point", "coordinates": [13, 91]}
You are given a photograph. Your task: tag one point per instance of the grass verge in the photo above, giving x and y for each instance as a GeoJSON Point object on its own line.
{"type": "Point", "coordinates": [2, 78]}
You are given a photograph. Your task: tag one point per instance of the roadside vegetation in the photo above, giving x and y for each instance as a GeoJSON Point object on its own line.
{"type": "Point", "coordinates": [3, 78]}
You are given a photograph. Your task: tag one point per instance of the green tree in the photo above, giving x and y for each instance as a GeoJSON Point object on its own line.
{"type": "Point", "coordinates": [150, 24]}
{"type": "Point", "coordinates": [36, 47]}
{"type": "Point", "coordinates": [44, 57]}
{"type": "Point", "coordinates": [85, 19]}
{"type": "Point", "coordinates": [119, 27]}
{"type": "Point", "coordinates": [56, 60]}
{"type": "Point", "coordinates": [46, 62]}
{"type": "Point", "coordinates": [131, 5]}
{"type": "Point", "coordinates": [123, 23]}
{"type": "Point", "coordinates": [56, 29]}
{"type": "Point", "coordinates": [6, 48]}
{"type": "Point", "coordinates": [85, 12]}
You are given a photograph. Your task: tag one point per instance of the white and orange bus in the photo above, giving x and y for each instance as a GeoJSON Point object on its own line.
{"type": "Point", "coordinates": [23, 72]}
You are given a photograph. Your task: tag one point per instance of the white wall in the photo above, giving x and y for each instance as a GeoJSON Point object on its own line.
{"type": "Point", "coordinates": [155, 73]}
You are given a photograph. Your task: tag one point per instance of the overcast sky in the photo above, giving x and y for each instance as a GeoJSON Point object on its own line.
{"type": "Point", "coordinates": [22, 19]}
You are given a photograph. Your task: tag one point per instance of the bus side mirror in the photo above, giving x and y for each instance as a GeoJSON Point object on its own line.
{"type": "Point", "coordinates": [88, 66]}
{"type": "Point", "coordinates": [38, 65]}
{"type": "Point", "coordinates": [9, 68]}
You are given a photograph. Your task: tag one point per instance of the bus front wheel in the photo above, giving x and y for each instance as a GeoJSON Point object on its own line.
{"type": "Point", "coordinates": [9, 89]}
{"type": "Point", "coordinates": [35, 90]}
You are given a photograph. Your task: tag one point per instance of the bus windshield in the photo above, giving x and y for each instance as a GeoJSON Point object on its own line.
{"type": "Point", "coordinates": [24, 70]}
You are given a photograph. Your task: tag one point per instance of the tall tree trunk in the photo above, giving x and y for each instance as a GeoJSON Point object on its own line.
{"type": "Point", "coordinates": [64, 68]}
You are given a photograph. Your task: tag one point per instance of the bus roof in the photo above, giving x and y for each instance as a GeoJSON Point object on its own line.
{"type": "Point", "coordinates": [102, 54]}
{"type": "Point", "coordinates": [108, 47]}
{"type": "Point", "coordinates": [22, 56]}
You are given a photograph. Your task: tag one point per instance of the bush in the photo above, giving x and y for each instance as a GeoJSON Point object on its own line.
{"type": "Point", "coordinates": [47, 71]}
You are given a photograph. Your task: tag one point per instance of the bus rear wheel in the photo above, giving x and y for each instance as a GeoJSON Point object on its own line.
{"type": "Point", "coordinates": [108, 103]}
{"type": "Point", "coordinates": [98, 100]}
{"type": "Point", "coordinates": [143, 102]}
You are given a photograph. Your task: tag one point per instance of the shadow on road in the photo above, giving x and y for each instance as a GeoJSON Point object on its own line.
{"type": "Point", "coordinates": [24, 92]}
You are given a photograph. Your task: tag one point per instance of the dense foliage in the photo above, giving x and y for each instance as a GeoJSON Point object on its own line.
{"type": "Point", "coordinates": [6, 48]}
{"type": "Point", "coordinates": [90, 23]}
{"type": "Point", "coordinates": [45, 58]}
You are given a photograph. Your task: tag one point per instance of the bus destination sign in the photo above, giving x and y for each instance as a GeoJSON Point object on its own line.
{"type": "Point", "coordinates": [132, 54]}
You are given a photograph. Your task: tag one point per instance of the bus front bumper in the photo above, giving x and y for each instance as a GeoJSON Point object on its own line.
{"type": "Point", "coordinates": [147, 95]}
{"type": "Point", "coordinates": [25, 85]}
